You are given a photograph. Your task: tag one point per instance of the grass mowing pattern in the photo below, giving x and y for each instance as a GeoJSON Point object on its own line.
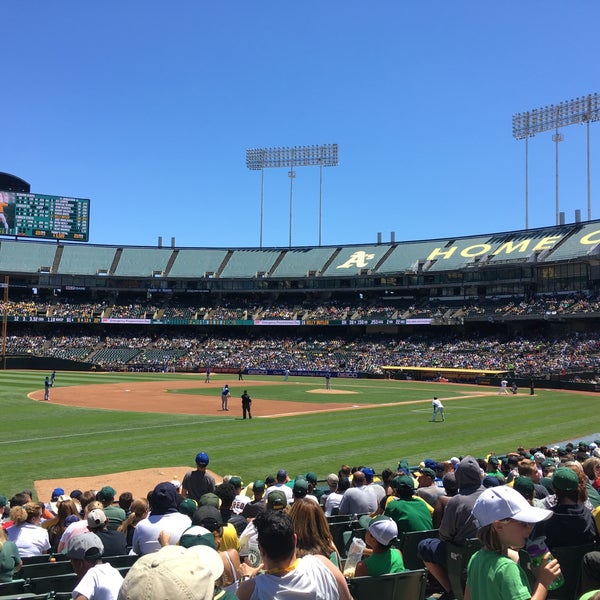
{"type": "Point", "coordinates": [41, 441]}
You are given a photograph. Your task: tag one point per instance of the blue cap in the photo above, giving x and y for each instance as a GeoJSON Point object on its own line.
{"type": "Point", "coordinates": [369, 473]}
{"type": "Point", "coordinates": [202, 458]}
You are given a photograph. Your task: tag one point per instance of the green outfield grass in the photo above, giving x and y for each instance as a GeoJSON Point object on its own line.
{"type": "Point", "coordinates": [44, 440]}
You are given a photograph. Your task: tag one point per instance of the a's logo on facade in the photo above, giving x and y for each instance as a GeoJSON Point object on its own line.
{"type": "Point", "coordinates": [358, 259]}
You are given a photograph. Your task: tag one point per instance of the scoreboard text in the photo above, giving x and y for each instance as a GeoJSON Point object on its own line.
{"type": "Point", "coordinates": [43, 216]}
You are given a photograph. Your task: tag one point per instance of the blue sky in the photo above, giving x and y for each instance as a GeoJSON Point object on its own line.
{"type": "Point", "coordinates": [147, 109]}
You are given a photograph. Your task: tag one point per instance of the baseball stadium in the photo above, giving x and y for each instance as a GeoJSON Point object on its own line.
{"type": "Point", "coordinates": [115, 358]}
{"type": "Point", "coordinates": [131, 332]}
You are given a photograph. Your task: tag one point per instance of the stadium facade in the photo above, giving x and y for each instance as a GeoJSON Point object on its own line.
{"type": "Point", "coordinates": [394, 289]}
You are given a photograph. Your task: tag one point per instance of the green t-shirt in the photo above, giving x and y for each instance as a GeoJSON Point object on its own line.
{"type": "Point", "coordinates": [492, 576]}
{"type": "Point", "coordinates": [410, 515]}
{"type": "Point", "coordinates": [386, 562]}
{"type": "Point", "coordinates": [9, 559]}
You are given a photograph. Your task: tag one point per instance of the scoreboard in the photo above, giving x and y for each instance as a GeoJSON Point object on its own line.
{"type": "Point", "coordinates": [43, 216]}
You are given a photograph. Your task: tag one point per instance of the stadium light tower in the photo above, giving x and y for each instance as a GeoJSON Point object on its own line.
{"type": "Point", "coordinates": [585, 109]}
{"type": "Point", "coordinates": [259, 159]}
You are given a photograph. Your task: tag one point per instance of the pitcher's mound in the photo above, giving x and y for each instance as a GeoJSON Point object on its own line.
{"type": "Point", "coordinates": [324, 391]}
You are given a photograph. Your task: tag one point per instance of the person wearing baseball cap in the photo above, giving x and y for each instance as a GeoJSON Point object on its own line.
{"type": "Point", "coordinates": [114, 542]}
{"type": "Point", "coordinates": [197, 483]}
{"type": "Point", "coordinates": [380, 535]}
{"type": "Point", "coordinates": [409, 512]}
{"type": "Point", "coordinates": [97, 579]}
{"type": "Point", "coordinates": [505, 521]}
{"type": "Point", "coordinates": [572, 523]}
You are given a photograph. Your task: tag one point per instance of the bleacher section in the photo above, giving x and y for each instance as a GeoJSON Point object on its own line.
{"type": "Point", "coordinates": [302, 262]}
{"type": "Point", "coordinates": [28, 257]}
{"type": "Point", "coordinates": [142, 262]}
{"type": "Point", "coordinates": [197, 263]}
{"type": "Point", "coordinates": [250, 263]}
{"type": "Point", "coordinates": [86, 260]}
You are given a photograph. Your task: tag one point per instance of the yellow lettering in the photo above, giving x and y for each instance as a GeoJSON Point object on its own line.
{"type": "Point", "coordinates": [511, 246]}
{"type": "Point", "coordinates": [547, 242]}
{"type": "Point", "coordinates": [439, 252]}
{"type": "Point", "coordinates": [358, 259]}
{"type": "Point", "coordinates": [589, 239]}
{"type": "Point", "coordinates": [471, 251]}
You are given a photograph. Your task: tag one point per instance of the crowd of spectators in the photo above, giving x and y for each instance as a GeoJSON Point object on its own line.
{"type": "Point", "coordinates": [391, 308]}
{"type": "Point", "coordinates": [534, 355]}
{"type": "Point", "coordinates": [445, 493]}
{"type": "Point", "coordinates": [527, 354]}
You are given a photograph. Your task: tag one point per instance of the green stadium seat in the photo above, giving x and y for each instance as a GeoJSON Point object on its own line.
{"type": "Point", "coordinates": [457, 559]}
{"type": "Point", "coordinates": [408, 585]}
{"type": "Point", "coordinates": [407, 544]}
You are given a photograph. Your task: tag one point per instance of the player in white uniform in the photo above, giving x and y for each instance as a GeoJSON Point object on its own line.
{"type": "Point", "coordinates": [438, 407]}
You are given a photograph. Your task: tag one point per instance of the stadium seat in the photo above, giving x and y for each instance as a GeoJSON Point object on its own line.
{"type": "Point", "coordinates": [45, 569]}
{"type": "Point", "coordinates": [457, 559]}
{"type": "Point", "coordinates": [407, 544]}
{"type": "Point", "coordinates": [408, 585]}
{"type": "Point", "coordinates": [16, 587]}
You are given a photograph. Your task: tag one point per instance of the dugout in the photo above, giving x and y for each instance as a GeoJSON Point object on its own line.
{"type": "Point", "coordinates": [454, 375]}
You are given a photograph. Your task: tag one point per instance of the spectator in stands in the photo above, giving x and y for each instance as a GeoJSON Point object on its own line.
{"type": "Point", "coordinates": [528, 468]}
{"type": "Point", "coordinates": [226, 494]}
{"type": "Point", "coordinates": [172, 572]}
{"type": "Point", "coordinates": [591, 469]}
{"type": "Point", "coordinates": [332, 502]}
{"type": "Point", "coordinates": [315, 575]}
{"type": "Point", "coordinates": [428, 489]}
{"type": "Point", "coordinates": [209, 518]}
{"type": "Point", "coordinates": [80, 526]}
{"type": "Point", "coordinates": [572, 523]}
{"type": "Point", "coordinates": [26, 533]}
{"type": "Point", "coordinates": [313, 535]}
{"type": "Point", "coordinates": [451, 489]}
{"type": "Point", "coordinates": [409, 512]}
{"type": "Point", "coordinates": [125, 500]}
{"type": "Point", "coordinates": [56, 527]}
{"type": "Point", "coordinates": [457, 524]}
{"type": "Point", "coordinates": [10, 561]}
{"type": "Point", "coordinates": [240, 500]}
{"type": "Point", "coordinates": [97, 579]}
{"type": "Point", "coordinates": [139, 510]}
{"type": "Point", "coordinates": [380, 535]}
{"type": "Point", "coordinates": [258, 491]}
{"type": "Point", "coordinates": [280, 484]}
{"type": "Point", "coordinates": [114, 542]}
{"type": "Point", "coordinates": [163, 516]}
{"type": "Point", "coordinates": [505, 519]}
{"type": "Point", "coordinates": [332, 483]}
{"type": "Point", "coordinates": [115, 514]}
{"type": "Point", "coordinates": [197, 483]}
{"type": "Point", "coordinates": [359, 499]}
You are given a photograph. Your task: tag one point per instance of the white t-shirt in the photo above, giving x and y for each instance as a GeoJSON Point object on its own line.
{"type": "Point", "coordinates": [31, 540]}
{"type": "Point", "coordinates": [101, 582]}
{"type": "Point", "coordinates": [332, 501]}
{"type": "Point", "coordinates": [145, 537]}
{"type": "Point", "coordinates": [286, 489]}
{"type": "Point", "coordinates": [310, 579]}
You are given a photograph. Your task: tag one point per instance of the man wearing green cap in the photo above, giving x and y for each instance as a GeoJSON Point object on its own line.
{"type": "Point", "coordinates": [408, 512]}
{"type": "Point", "coordinates": [572, 523]}
{"type": "Point", "coordinates": [115, 514]}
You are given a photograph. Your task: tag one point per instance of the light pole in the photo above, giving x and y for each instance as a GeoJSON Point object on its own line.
{"type": "Point", "coordinates": [585, 109]}
{"type": "Point", "coordinates": [259, 159]}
